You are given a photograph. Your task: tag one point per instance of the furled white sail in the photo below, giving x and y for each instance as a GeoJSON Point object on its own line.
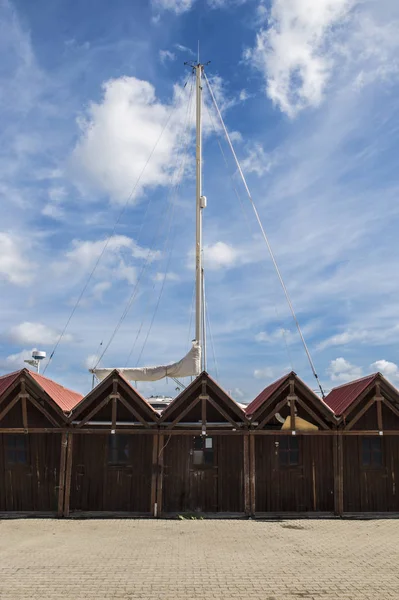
{"type": "Point", "coordinates": [189, 365]}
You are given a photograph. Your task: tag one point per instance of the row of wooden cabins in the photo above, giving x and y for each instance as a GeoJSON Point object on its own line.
{"type": "Point", "coordinates": [287, 453]}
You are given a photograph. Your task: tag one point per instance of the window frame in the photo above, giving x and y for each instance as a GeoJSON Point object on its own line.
{"type": "Point", "coordinates": [18, 449]}
{"type": "Point", "coordinates": [289, 451]}
{"type": "Point", "coordinates": [114, 452]}
{"type": "Point", "coordinates": [199, 444]}
{"type": "Point", "coordinates": [372, 464]}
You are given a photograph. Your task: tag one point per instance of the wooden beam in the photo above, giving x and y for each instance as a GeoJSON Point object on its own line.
{"type": "Point", "coordinates": [93, 412]}
{"type": "Point", "coordinates": [291, 400]}
{"type": "Point", "coordinates": [360, 413]}
{"type": "Point", "coordinates": [247, 496]}
{"type": "Point", "coordinates": [23, 397]}
{"type": "Point", "coordinates": [160, 461]}
{"type": "Point", "coordinates": [183, 414]}
{"type": "Point", "coordinates": [312, 414]}
{"type": "Point", "coordinates": [272, 413]}
{"type": "Point", "coordinates": [9, 407]}
{"type": "Point", "coordinates": [68, 475]}
{"type": "Point", "coordinates": [61, 485]}
{"type": "Point", "coordinates": [114, 410]}
{"type": "Point", "coordinates": [24, 413]}
{"type": "Point", "coordinates": [133, 411]}
{"type": "Point", "coordinates": [204, 398]}
{"type": "Point", "coordinates": [154, 474]}
{"type": "Point", "coordinates": [340, 469]}
{"type": "Point", "coordinates": [10, 390]}
{"type": "Point", "coordinates": [270, 401]}
{"type": "Point", "coordinates": [390, 406]}
{"type": "Point", "coordinates": [252, 474]}
{"type": "Point", "coordinates": [39, 407]}
{"type": "Point", "coordinates": [223, 412]}
{"type": "Point", "coordinates": [378, 402]}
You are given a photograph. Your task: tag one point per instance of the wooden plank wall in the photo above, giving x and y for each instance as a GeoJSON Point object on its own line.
{"type": "Point", "coordinates": [33, 486]}
{"type": "Point", "coordinates": [308, 487]}
{"type": "Point", "coordinates": [97, 486]}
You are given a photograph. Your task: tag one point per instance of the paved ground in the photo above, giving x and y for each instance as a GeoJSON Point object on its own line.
{"type": "Point", "coordinates": [330, 559]}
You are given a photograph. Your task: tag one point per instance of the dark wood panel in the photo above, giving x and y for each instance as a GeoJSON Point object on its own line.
{"type": "Point", "coordinates": [371, 488]}
{"type": "Point", "coordinates": [32, 486]}
{"type": "Point", "coordinates": [307, 487]}
{"type": "Point", "coordinates": [231, 474]}
{"type": "Point", "coordinates": [99, 486]}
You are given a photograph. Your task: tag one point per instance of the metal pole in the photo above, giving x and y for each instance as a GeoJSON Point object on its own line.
{"type": "Point", "coordinates": [198, 237]}
{"type": "Point", "coordinates": [203, 323]}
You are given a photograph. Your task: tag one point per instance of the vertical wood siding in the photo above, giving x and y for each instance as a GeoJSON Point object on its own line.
{"type": "Point", "coordinates": [308, 487]}
{"type": "Point", "coordinates": [214, 489]}
{"type": "Point", "coordinates": [32, 486]}
{"type": "Point", "coordinates": [98, 486]}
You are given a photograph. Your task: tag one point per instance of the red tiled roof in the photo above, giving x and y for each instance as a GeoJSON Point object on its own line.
{"type": "Point", "coordinates": [340, 398]}
{"type": "Point", "coordinates": [265, 394]}
{"type": "Point", "coordinates": [65, 398]}
{"type": "Point", "coordinates": [7, 380]}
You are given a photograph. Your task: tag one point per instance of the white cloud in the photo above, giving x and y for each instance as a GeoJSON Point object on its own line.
{"type": "Point", "coordinates": [265, 373]}
{"type": "Point", "coordinates": [257, 161]}
{"type": "Point", "coordinates": [90, 361]}
{"type": "Point", "coordinates": [341, 371]}
{"type": "Point", "coordinates": [34, 333]}
{"type": "Point", "coordinates": [15, 265]}
{"type": "Point", "coordinates": [119, 134]}
{"type": "Point", "coordinates": [184, 49]}
{"type": "Point", "coordinates": [165, 55]}
{"type": "Point", "coordinates": [276, 335]}
{"type": "Point", "coordinates": [176, 6]}
{"type": "Point", "coordinates": [341, 339]}
{"type": "Point", "coordinates": [389, 369]}
{"type": "Point", "coordinates": [220, 255]}
{"type": "Point", "coordinates": [15, 361]}
{"type": "Point", "coordinates": [116, 259]}
{"type": "Point", "coordinates": [296, 51]}
{"type": "Point", "coordinates": [169, 276]}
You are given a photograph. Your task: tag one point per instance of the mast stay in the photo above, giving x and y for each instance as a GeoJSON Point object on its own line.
{"type": "Point", "coordinates": [195, 360]}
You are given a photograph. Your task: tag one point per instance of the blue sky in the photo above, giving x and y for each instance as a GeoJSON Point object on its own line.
{"type": "Point", "coordinates": [308, 91]}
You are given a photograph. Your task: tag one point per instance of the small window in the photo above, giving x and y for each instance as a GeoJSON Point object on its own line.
{"type": "Point", "coordinates": [288, 451]}
{"type": "Point", "coordinates": [118, 449]}
{"type": "Point", "coordinates": [16, 449]}
{"type": "Point", "coordinates": [372, 452]}
{"type": "Point", "coordinates": [203, 451]}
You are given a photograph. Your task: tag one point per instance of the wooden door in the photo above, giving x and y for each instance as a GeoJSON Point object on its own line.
{"type": "Point", "coordinates": [17, 473]}
{"type": "Point", "coordinates": [203, 479]}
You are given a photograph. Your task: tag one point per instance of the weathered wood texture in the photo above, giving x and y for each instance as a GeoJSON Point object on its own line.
{"type": "Point", "coordinates": [307, 487]}
{"type": "Point", "coordinates": [217, 488]}
{"type": "Point", "coordinates": [32, 485]}
{"type": "Point", "coordinates": [97, 485]}
{"type": "Point", "coordinates": [368, 488]}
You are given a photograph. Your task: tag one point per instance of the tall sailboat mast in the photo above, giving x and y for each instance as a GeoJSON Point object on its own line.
{"type": "Point", "coordinates": [200, 205]}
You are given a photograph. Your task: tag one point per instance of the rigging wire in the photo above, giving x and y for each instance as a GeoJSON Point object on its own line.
{"type": "Point", "coordinates": [238, 195]}
{"type": "Point", "coordinates": [134, 293]}
{"type": "Point", "coordinates": [287, 296]}
{"type": "Point", "coordinates": [211, 338]}
{"type": "Point", "coordinates": [107, 241]}
{"type": "Point", "coordinates": [172, 194]}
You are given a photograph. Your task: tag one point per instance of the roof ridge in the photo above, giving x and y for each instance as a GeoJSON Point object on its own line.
{"type": "Point", "coordinates": [12, 373]}
{"type": "Point", "coordinates": [338, 387]}
{"type": "Point", "coordinates": [40, 376]}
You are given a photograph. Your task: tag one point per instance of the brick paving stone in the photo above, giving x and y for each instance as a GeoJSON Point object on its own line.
{"type": "Point", "coordinates": [212, 559]}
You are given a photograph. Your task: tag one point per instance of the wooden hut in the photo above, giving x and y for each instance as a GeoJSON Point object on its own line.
{"type": "Point", "coordinates": [112, 452]}
{"type": "Point", "coordinates": [203, 453]}
{"type": "Point", "coordinates": [33, 442]}
{"type": "Point", "coordinates": [368, 445]}
{"type": "Point", "coordinates": [291, 450]}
